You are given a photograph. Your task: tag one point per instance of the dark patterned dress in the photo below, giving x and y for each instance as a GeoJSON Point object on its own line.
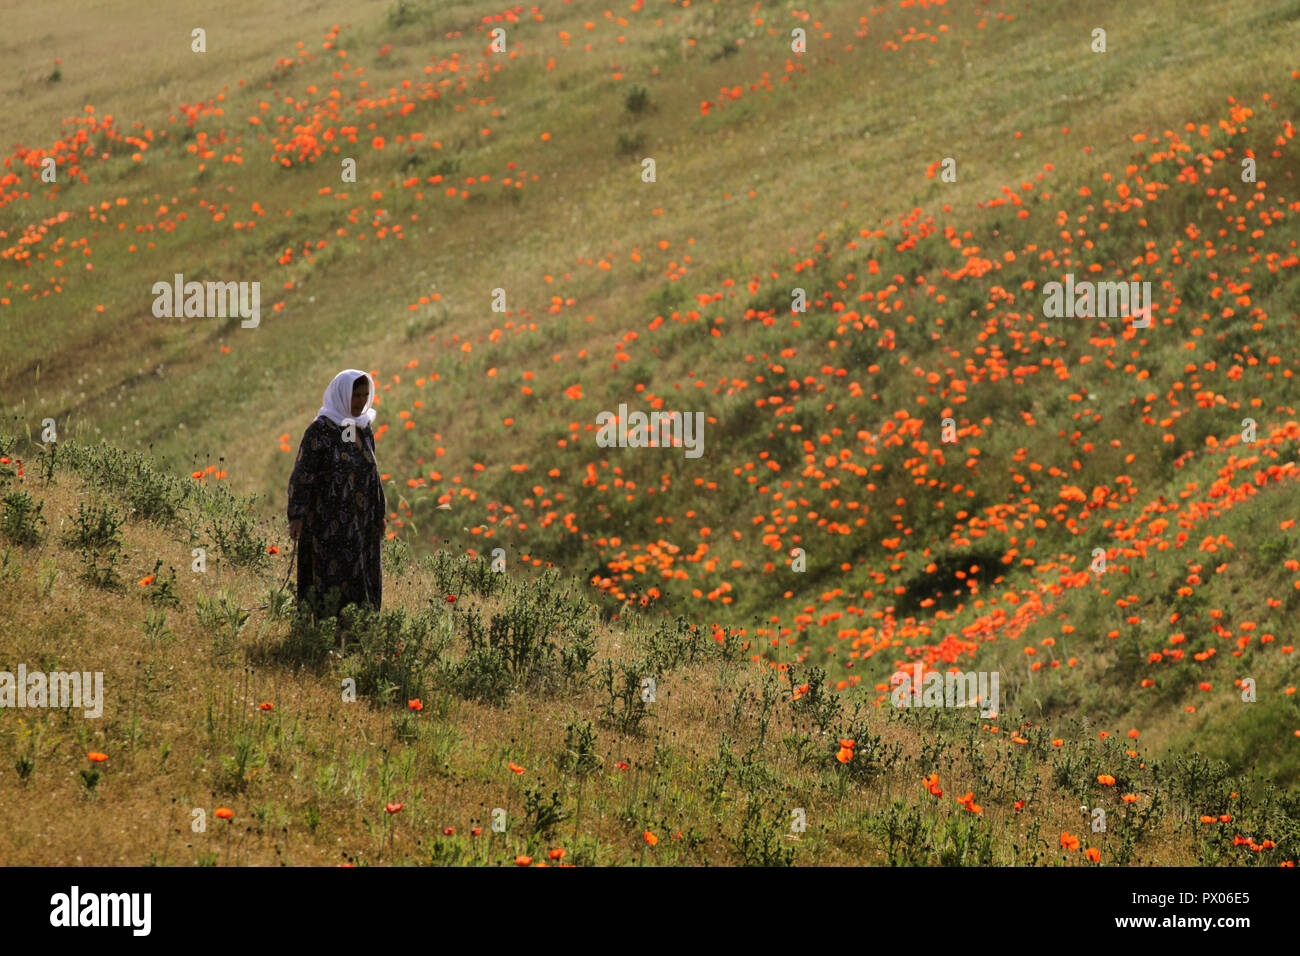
{"type": "Point", "coordinates": [335, 490]}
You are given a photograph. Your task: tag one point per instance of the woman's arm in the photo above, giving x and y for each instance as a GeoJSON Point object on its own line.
{"type": "Point", "coordinates": [383, 499]}
{"type": "Point", "coordinates": [308, 472]}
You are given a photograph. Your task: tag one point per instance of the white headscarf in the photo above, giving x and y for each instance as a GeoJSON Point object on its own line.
{"type": "Point", "coordinates": [338, 400]}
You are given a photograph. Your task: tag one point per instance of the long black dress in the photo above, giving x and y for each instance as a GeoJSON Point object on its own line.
{"type": "Point", "coordinates": [336, 491]}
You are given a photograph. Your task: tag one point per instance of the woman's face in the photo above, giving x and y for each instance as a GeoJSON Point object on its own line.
{"type": "Point", "coordinates": [360, 392]}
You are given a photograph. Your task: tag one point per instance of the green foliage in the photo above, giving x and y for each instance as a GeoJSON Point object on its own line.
{"type": "Point", "coordinates": [629, 144]}
{"type": "Point", "coordinates": [818, 703]}
{"type": "Point", "coordinates": [636, 99]}
{"type": "Point", "coordinates": [579, 754]}
{"type": "Point", "coordinates": [668, 644]}
{"type": "Point", "coordinates": [542, 813]}
{"type": "Point", "coordinates": [762, 837]}
{"type": "Point", "coordinates": [247, 756]}
{"type": "Point", "coordinates": [21, 519]}
{"type": "Point", "coordinates": [397, 652]}
{"type": "Point", "coordinates": [132, 479]}
{"type": "Point", "coordinates": [903, 830]}
{"type": "Point", "coordinates": [455, 575]}
{"type": "Point", "coordinates": [543, 640]}
{"type": "Point", "coordinates": [155, 627]}
{"type": "Point", "coordinates": [236, 532]}
{"type": "Point", "coordinates": [396, 556]}
{"type": "Point", "coordinates": [95, 527]}
{"type": "Point", "coordinates": [222, 618]}
{"type": "Point", "coordinates": [405, 13]}
{"type": "Point", "coordinates": [623, 706]}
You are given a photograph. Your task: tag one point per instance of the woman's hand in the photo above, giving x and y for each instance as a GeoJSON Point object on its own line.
{"type": "Point", "coordinates": [295, 528]}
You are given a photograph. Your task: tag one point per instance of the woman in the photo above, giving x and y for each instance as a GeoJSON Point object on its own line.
{"type": "Point", "coordinates": [336, 502]}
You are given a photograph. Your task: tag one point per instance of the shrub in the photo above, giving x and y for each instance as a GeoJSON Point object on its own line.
{"type": "Point", "coordinates": [724, 50]}
{"type": "Point", "coordinates": [579, 754]}
{"type": "Point", "coordinates": [396, 555]}
{"type": "Point", "coordinates": [624, 708]}
{"type": "Point", "coordinates": [542, 814]}
{"type": "Point", "coordinates": [636, 99]}
{"type": "Point", "coordinates": [456, 574]}
{"type": "Point", "coordinates": [130, 477]}
{"type": "Point", "coordinates": [162, 591]}
{"type": "Point", "coordinates": [629, 144]}
{"type": "Point", "coordinates": [543, 641]}
{"type": "Point", "coordinates": [761, 841]}
{"type": "Point", "coordinates": [482, 674]}
{"type": "Point", "coordinates": [95, 527]}
{"type": "Point", "coordinates": [670, 643]}
{"type": "Point", "coordinates": [223, 618]}
{"type": "Point", "coordinates": [396, 651]}
{"type": "Point", "coordinates": [821, 705]}
{"type": "Point", "coordinates": [234, 530]}
{"type": "Point", "coordinates": [309, 641]}
{"type": "Point", "coordinates": [21, 519]}
{"type": "Point", "coordinates": [99, 567]}
{"type": "Point", "coordinates": [404, 13]}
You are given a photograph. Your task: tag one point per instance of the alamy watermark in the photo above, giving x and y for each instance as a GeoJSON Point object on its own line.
{"type": "Point", "coordinates": [73, 909]}
{"type": "Point", "coordinates": [208, 300]}
{"type": "Point", "coordinates": [656, 430]}
{"type": "Point", "coordinates": [963, 689]}
{"type": "Point", "coordinates": [1104, 300]}
{"type": "Point", "coordinates": [56, 689]}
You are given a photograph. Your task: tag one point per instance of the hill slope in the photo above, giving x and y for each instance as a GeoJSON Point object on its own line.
{"type": "Point", "coordinates": [645, 742]}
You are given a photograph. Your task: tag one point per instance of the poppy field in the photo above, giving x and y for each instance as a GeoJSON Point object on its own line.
{"type": "Point", "coordinates": [757, 496]}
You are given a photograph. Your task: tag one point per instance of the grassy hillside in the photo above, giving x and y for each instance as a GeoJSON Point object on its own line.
{"type": "Point", "coordinates": [831, 526]}
{"type": "Point", "coordinates": [481, 693]}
